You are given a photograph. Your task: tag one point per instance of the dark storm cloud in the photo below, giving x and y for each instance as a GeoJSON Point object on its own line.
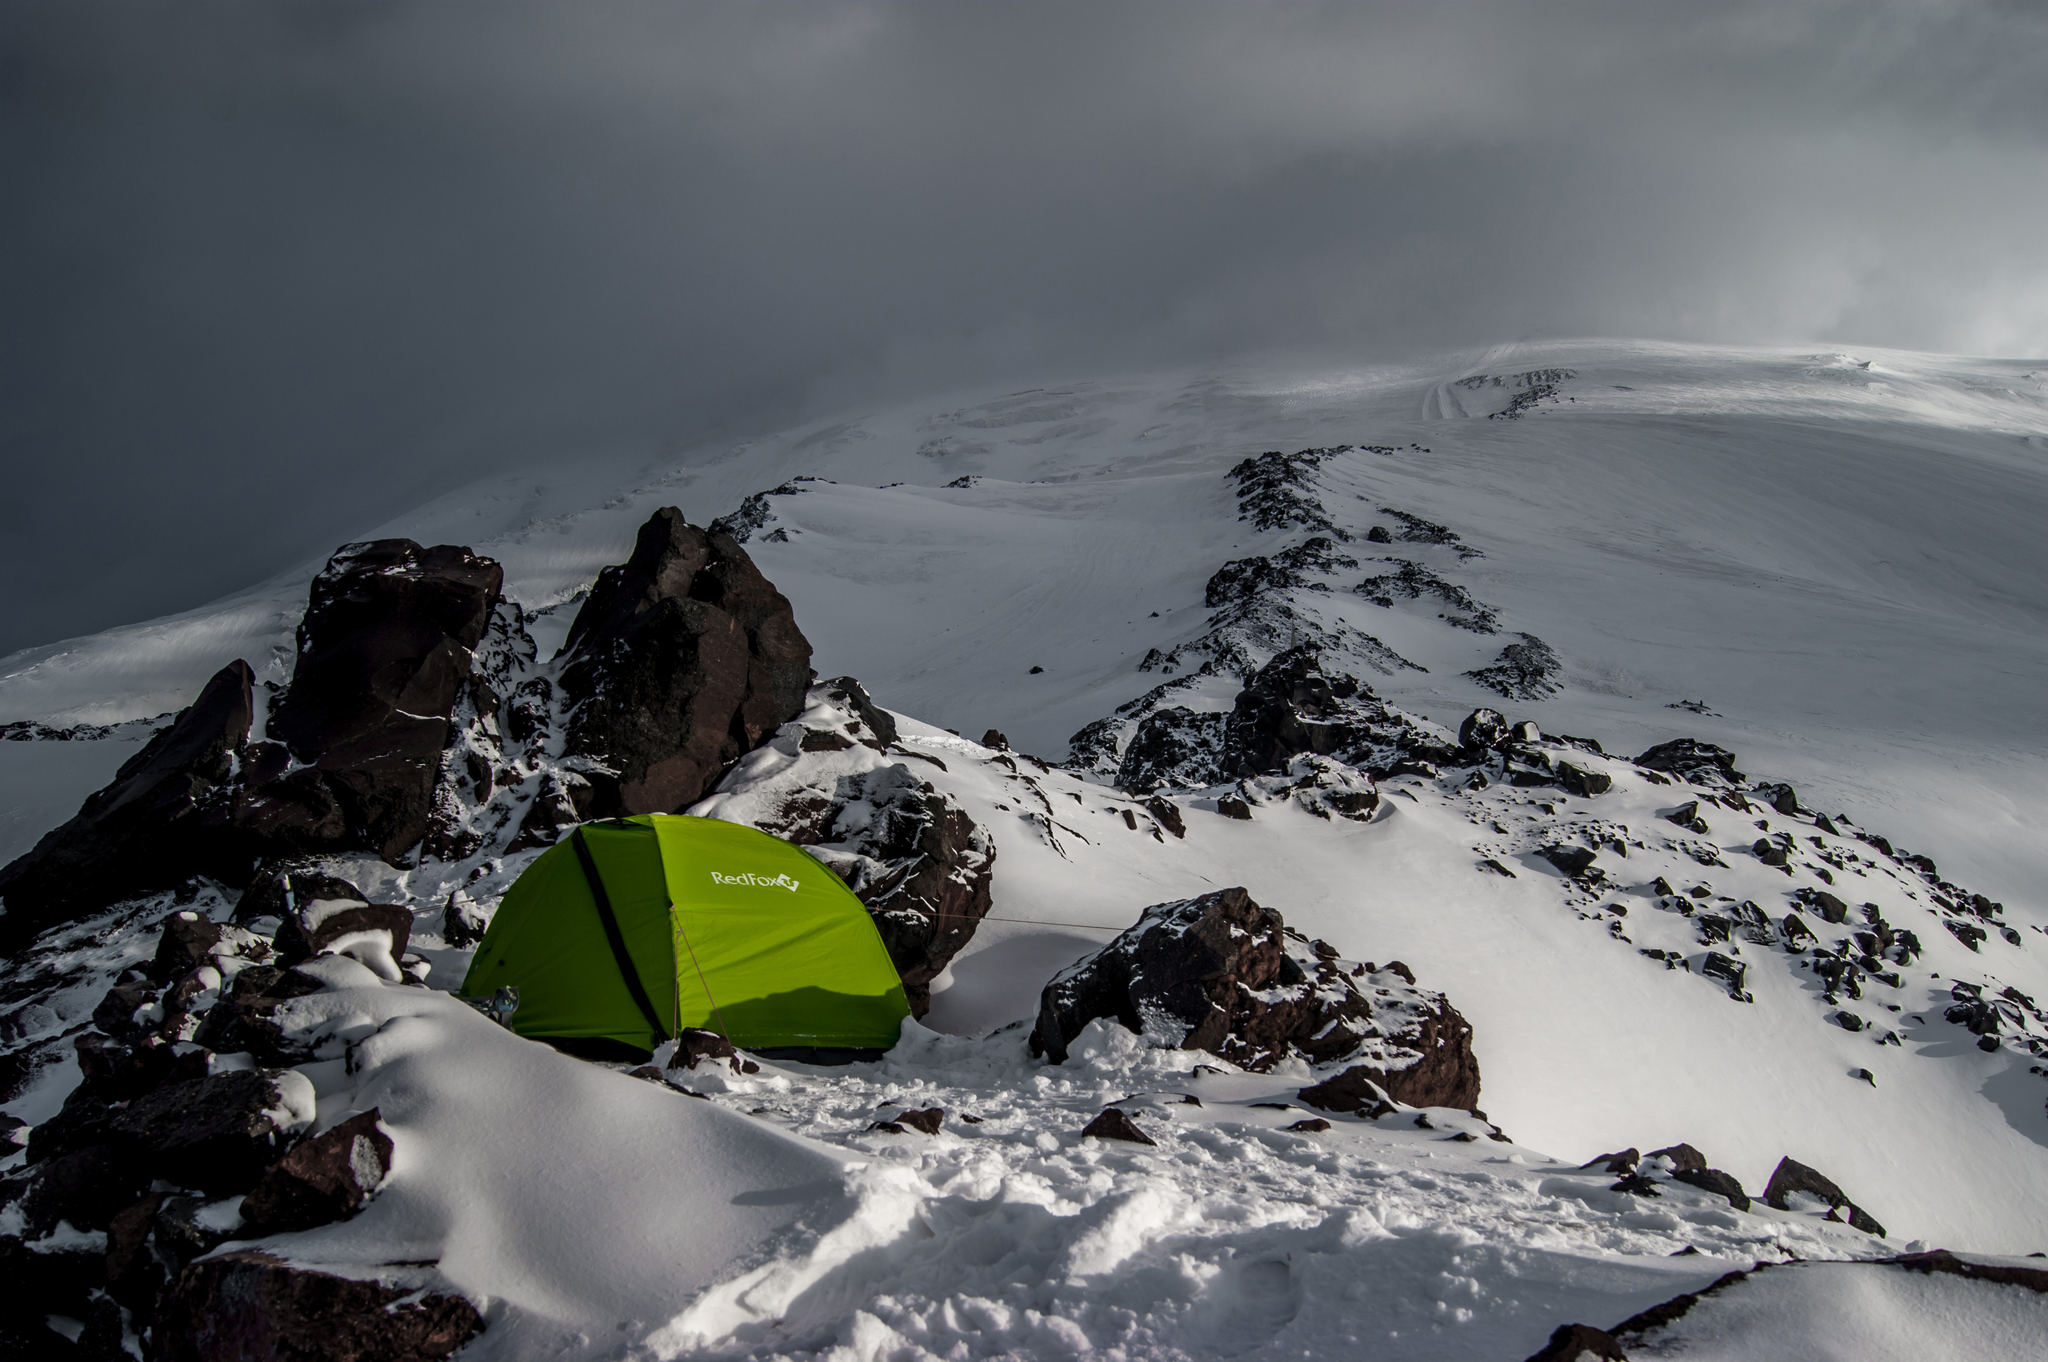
{"type": "Point", "coordinates": [271, 273]}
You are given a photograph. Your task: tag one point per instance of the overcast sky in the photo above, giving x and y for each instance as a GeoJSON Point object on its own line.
{"type": "Point", "coordinates": [271, 273]}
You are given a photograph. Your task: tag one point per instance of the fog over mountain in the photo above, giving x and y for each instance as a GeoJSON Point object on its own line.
{"type": "Point", "coordinates": [273, 273]}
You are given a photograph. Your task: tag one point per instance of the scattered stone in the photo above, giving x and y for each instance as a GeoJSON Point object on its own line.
{"type": "Point", "coordinates": [1115, 1125]}
{"type": "Point", "coordinates": [1790, 1176]}
{"type": "Point", "coordinates": [1311, 1125]}
{"type": "Point", "coordinates": [1687, 816]}
{"type": "Point", "coordinates": [249, 1304]}
{"type": "Point", "coordinates": [696, 1047]}
{"type": "Point", "coordinates": [1771, 854]}
{"type": "Point", "coordinates": [1728, 971]}
{"type": "Point", "coordinates": [1496, 867]}
{"type": "Point", "coordinates": [323, 1179]}
{"type": "Point", "coordinates": [1781, 798]}
{"type": "Point", "coordinates": [1635, 1184]}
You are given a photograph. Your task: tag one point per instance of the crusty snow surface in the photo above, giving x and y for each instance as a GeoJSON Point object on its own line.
{"type": "Point", "coordinates": [1840, 555]}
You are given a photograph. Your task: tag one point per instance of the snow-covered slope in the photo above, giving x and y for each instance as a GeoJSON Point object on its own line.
{"type": "Point", "coordinates": [1835, 558]}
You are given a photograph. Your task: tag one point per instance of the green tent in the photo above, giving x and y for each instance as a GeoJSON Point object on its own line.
{"type": "Point", "coordinates": [631, 929]}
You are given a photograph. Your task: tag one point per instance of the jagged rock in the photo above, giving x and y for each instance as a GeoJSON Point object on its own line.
{"type": "Point", "coordinates": [683, 659]}
{"type": "Point", "coordinates": [1168, 815]}
{"type": "Point", "coordinates": [1692, 760]}
{"type": "Point", "coordinates": [251, 1305]}
{"type": "Point", "coordinates": [1113, 1124]}
{"type": "Point", "coordinates": [1230, 806]}
{"type": "Point", "coordinates": [187, 943]}
{"type": "Point", "coordinates": [1578, 1342]}
{"type": "Point", "coordinates": [323, 1179]}
{"type": "Point", "coordinates": [1715, 1181]}
{"type": "Point", "coordinates": [1173, 747]}
{"type": "Point", "coordinates": [138, 834]}
{"type": "Point", "coordinates": [1483, 730]}
{"type": "Point", "coordinates": [1790, 1177]}
{"type": "Point", "coordinates": [118, 1011]}
{"type": "Point", "coordinates": [1771, 853]}
{"type": "Point", "coordinates": [384, 648]}
{"type": "Point", "coordinates": [1223, 974]}
{"type": "Point", "coordinates": [216, 1133]}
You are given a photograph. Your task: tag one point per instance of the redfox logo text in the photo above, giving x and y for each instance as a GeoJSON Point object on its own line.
{"type": "Point", "coordinates": [788, 882]}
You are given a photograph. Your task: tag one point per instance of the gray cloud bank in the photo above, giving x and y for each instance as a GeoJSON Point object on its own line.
{"type": "Point", "coordinates": [270, 273]}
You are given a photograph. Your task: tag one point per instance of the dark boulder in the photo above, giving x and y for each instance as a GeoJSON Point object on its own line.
{"type": "Point", "coordinates": [1113, 1124]}
{"type": "Point", "coordinates": [1790, 1177]}
{"type": "Point", "coordinates": [1572, 862]}
{"type": "Point", "coordinates": [683, 659]}
{"type": "Point", "coordinates": [1581, 781]}
{"type": "Point", "coordinates": [140, 833]}
{"type": "Point", "coordinates": [1687, 816]}
{"type": "Point", "coordinates": [1577, 1343]}
{"type": "Point", "coordinates": [1483, 730]}
{"type": "Point", "coordinates": [1691, 760]}
{"type": "Point", "coordinates": [1825, 905]}
{"type": "Point", "coordinates": [1771, 853]}
{"type": "Point", "coordinates": [187, 943]}
{"type": "Point", "coordinates": [1727, 971]}
{"type": "Point", "coordinates": [1230, 806]}
{"type": "Point", "coordinates": [384, 649]}
{"type": "Point", "coordinates": [87, 1187]}
{"type": "Point", "coordinates": [323, 1179]}
{"type": "Point", "coordinates": [1781, 797]}
{"type": "Point", "coordinates": [1715, 1181]}
{"type": "Point", "coordinates": [1167, 814]}
{"type": "Point", "coordinates": [244, 1018]}
{"type": "Point", "coordinates": [1173, 747]}
{"type": "Point", "coordinates": [252, 1305]}
{"type": "Point", "coordinates": [1684, 1158]}
{"type": "Point", "coordinates": [1619, 1163]}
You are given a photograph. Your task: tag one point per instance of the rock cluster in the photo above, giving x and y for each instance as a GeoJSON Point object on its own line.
{"type": "Point", "coordinates": [1223, 974]}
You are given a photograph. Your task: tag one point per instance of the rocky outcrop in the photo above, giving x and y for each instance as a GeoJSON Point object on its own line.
{"type": "Point", "coordinates": [1221, 973]}
{"type": "Point", "coordinates": [683, 659]}
{"type": "Point", "coordinates": [142, 832]}
{"type": "Point", "coordinates": [1292, 706]}
{"type": "Point", "coordinates": [384, 647]}
{"type": "Point", "coordinates": [252, 1305]}
{"type": "Point", "coordinates": [1172, 747]}
{"type": "Point", "coordinates": [1791, 1177]}
{"type": "Point", "coordinates": [1692, 760]}
{"type": "Point", "coordinates": [911, 854]}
